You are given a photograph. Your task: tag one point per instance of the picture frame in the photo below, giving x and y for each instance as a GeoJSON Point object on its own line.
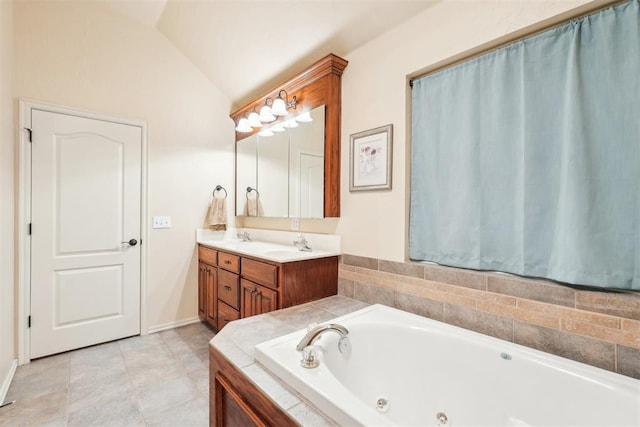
{"type": "Point", "coordinates": [370, 159]}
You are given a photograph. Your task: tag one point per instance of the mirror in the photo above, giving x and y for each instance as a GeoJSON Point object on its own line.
{"type": "Point", "coordinates": [286, 169]}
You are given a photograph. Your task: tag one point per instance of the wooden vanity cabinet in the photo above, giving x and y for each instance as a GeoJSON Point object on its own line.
{"type": "Point", "coordinates": [237, 286]}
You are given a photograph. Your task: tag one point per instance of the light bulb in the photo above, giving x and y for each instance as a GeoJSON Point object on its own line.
{"type": "Point", "coordinates": [279, 108]}
{"type": "Point", "coordinates": [243, 125]}
{"type": "Point", "coordinates": [254, 120]}
{"type": "Point", "coordinates": [265, 132]}
{"type": "Point", "coordinates": [266, 116]}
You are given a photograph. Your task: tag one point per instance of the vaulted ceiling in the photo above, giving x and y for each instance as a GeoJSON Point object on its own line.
{"type": "Point", "coordinates": [247, 47]}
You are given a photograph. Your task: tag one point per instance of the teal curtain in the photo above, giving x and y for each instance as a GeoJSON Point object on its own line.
{"type": "Point", "coordinates": [527, 159]}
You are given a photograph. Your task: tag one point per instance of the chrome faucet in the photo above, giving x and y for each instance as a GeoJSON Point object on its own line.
{"type": "Point", "coordinates": [309, 355]}
{"type": "Point", "coordinates": [302, 244]}
{"type": "Point", "coordinates": [244, 236]}
{"type": "Point", "coordinates": [314, 334]}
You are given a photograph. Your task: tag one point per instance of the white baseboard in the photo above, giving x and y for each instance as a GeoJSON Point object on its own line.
{"type": "Point", "coordinates": [7, 380]}
{"type": "Point", "coordinates": [172, 325]}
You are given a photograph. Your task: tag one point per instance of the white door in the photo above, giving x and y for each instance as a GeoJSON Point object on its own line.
{"type": "Point", "coordinates": [311, 186]}
{"type": "Point", "coordinates": [86, 185]}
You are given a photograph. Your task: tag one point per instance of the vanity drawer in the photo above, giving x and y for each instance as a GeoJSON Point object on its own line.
{"type": "Point", "coordinates": [229, 262]}
{"type": "Point", "coordinates": [207, 255]}
{"type": "Point", "coordinates": [260, 272]}
{"type": "Point", "coordinates": [228, 288]}
{"type": "Point", "coordinates": [225, 315]}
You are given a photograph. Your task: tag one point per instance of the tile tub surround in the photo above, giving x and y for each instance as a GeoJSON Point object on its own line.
{"type": "Point", "coordinates": [597, 328]}
{"type": "Point", "coordinates": [237, 340]}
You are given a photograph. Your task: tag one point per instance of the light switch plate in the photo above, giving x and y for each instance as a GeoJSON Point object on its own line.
{"type": "Point", "coordinates": [161, 222]}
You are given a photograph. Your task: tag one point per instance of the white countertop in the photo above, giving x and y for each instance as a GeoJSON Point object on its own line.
{"type": "Point", "coordinates": [271, 245]}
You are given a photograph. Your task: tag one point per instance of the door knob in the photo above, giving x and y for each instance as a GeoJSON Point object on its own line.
{"type": "Point", "coordinates": [131, 242]}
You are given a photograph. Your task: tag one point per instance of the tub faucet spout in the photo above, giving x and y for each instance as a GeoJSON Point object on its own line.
{"type": "Point", "coordinates": [314, 334]}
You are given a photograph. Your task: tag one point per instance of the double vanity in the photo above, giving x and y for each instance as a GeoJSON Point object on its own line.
{"type": "Point", "coordinates": [262, 272]}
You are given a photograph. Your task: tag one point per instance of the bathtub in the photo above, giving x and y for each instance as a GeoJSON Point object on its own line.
{"type": "Point", "coordinates": [401, 369]}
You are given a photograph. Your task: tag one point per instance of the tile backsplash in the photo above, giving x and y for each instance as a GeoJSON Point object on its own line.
{"type": "Point", "coordinates": [597, 328]}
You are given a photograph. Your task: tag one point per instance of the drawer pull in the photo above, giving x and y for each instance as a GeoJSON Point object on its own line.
{"type": "Point", "coordinates": [227, 262]}
{"type": "Point", "coordinates": [227, 288]}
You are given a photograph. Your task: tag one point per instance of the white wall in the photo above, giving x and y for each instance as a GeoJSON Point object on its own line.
{"type": "Point", "coordinates": [83, 55]}
{"type": "Point", "coordinates": [7, 342]}
{"type": "Point", "coordinates": [375, 93]}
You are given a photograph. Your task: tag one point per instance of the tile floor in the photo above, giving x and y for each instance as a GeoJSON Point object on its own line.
{"type": "Point", "coordinates": [160, 379]}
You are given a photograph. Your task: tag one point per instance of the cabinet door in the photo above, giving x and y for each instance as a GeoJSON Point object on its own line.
{"type": "Point", "coordinates": [266, 300]}
{"type": "Point", "coordinates": [231, 409]}
{"type": "Point", "coordinates": [202, 290]}
{"type": "Point", "coordinates": [247, 301]}
{"type": "Point", "coordinates": [257, 299]}
{"type": "Point", "coordinates": [212, 298]}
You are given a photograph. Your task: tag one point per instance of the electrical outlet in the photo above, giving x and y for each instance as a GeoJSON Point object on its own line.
{"type": "Point", "coordinates": [161, 222]}
{"type": "Point", "coordinates": [295, 223]}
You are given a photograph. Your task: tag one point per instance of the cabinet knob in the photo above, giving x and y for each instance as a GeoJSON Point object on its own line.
{"type": "Point", "coordinates": [227, 262]}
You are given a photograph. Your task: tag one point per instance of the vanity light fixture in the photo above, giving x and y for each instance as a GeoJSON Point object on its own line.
{"type": "Point", "coordinates": [281, 105]}
{"type": "Point", "coordinates": [243, 125]}
{"type": "Point", "coordinates": [265, 132]}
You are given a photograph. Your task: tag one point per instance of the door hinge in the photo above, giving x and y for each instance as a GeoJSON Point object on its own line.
{"type": "Point", "coordinates": [30, 134]}
{"type": "Point", "coordinates": [29, 322]}
{"type": "Point", "coordinates": [29, 229]}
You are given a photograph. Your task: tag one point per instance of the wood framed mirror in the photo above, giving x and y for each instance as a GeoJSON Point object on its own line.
{"type": "Point", "coordinates": [318, 85]}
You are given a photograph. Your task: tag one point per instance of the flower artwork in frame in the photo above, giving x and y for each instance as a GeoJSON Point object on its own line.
{"type": "Point", "coordinates": [370, 159]}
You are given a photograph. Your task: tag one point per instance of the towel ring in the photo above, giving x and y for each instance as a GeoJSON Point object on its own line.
{"type": "Point", "coordinates": [249, 190]}
{"type": "Point", "coordinates": [219, 188]}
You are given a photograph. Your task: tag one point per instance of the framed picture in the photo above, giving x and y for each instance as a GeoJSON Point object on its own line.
{"type": "Point", "coordinates": [370, 159]}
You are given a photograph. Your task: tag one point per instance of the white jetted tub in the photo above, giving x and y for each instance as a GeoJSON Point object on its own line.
{"type": "Point", "coordinates": [401, 369]}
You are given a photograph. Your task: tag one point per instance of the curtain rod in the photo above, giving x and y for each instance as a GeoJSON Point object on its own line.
{"type": "Point", "coordinates": [529, 31]}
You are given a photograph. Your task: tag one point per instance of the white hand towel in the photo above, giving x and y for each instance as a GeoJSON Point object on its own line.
{"type": "Point", "coordinates": [217, 217]}
{"type": "Point", "coordinates": [253, 207]}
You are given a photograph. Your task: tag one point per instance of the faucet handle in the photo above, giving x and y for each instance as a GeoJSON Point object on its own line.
{"type": "Point", "coordinates": [309, 357]}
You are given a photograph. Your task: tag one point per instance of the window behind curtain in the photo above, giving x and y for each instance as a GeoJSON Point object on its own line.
{"type": "Point", "coordinates": [527, 159]}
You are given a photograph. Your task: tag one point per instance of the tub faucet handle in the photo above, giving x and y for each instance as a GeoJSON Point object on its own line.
{"type": "Point", "coordinates": [309, 357]}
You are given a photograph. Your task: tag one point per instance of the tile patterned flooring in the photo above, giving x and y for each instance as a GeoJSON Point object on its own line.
{"type": "Point", "coordinates": [160, 379]}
